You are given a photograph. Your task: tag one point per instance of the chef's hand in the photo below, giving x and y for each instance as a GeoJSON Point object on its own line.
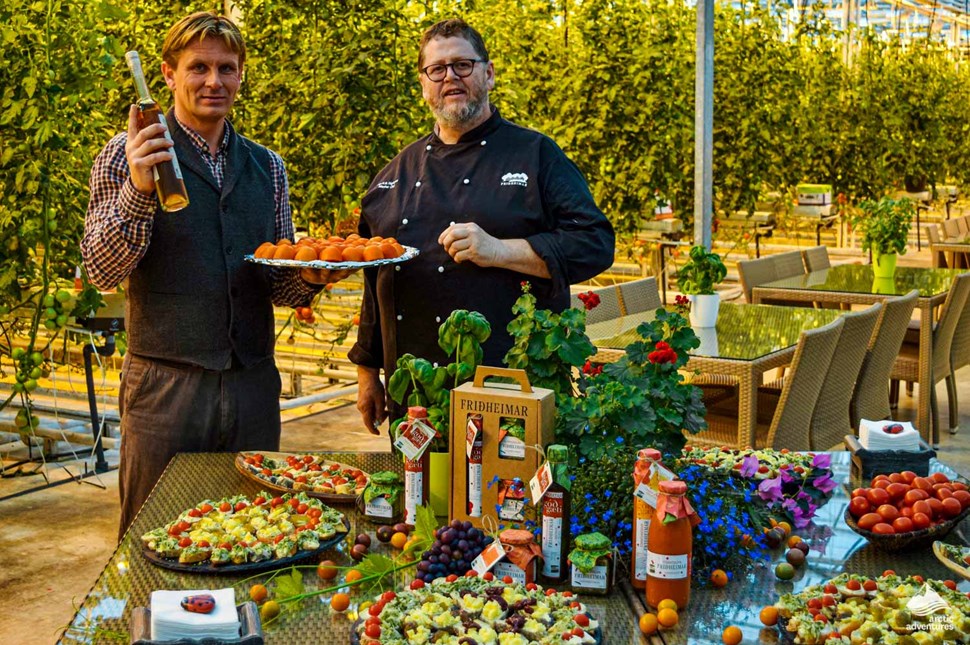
{"type": "Point", "coordinates": [468, 242]}
{"type": "Point", "coordinates": [145, 148]}
{"type": "Point", "coordinates": [371, 400]}
{"type": "Point", "coordinates": [324, 276]}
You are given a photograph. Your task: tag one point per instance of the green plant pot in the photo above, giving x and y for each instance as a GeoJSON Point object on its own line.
{"type": "Point", "coordinates": [440, 469]}
{"type": "Point", "coordinates": [884, 285]}
{"type": "Point", "coordinates": [883, 264]}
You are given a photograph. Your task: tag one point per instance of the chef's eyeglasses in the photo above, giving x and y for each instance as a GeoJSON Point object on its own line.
{"type": "Point", "coordinates": [461, 68]}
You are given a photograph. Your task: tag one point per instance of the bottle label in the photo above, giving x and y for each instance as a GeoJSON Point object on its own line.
{"type": "Point", "coordinates": [642, 529]}
{"type": "Point", "coordinates": [649, 488]}
{"type": "Point", "coordinates": [488, 558]}
{"type": "Point", "coordinates": [413, 490]}
{"type": "Point", "coordinates": [379, 507]}
{"type": "Point", "coordinates": [503, 569]}
{"type": "Point", "coordinates": [595, 579]}
{"type": "Point", "coordinates": [168, 137]}
{"type": "Point", "coordinates": [552, 517]}
{"type": "Point", "coordinates": [668, 567]}
{"type": "Point", "coordinates": [511, 448]}
{"type": "Point", "coordinates": [475, 481]}
{"type": "Point", "coordinates": [540, 482]}
{"type": "Point", "coordinates": [414, 437]}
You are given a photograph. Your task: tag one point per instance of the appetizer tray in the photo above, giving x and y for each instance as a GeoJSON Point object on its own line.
{"type": "Point", "coordinates": [955, 558]}
{"type": "Point", "coordinates": [315, 475]}
{"type": "Point", "coordinates": [236, 534]}
{"type": "Point", "coordinates": [473, 604]}
{"type": "Point", "coordinates": [409, 254]}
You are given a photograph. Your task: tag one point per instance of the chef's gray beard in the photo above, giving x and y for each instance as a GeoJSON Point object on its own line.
{"type": "Point", "coordinates": [457, 117]}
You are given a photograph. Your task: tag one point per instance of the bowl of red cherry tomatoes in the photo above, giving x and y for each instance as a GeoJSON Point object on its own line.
{"type": "Point", "coordinates": [903, 511]}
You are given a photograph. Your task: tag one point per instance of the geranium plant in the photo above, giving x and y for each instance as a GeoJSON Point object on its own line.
{"type": "Point", "coordinates": [640, 400]}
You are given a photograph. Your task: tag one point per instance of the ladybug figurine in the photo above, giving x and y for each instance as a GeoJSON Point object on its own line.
{"type": "Point", "coordinates": [199, 604]}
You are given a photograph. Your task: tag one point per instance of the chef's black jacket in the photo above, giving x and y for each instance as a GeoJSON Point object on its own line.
{"type": "Point", "coordinates": [511, 181]}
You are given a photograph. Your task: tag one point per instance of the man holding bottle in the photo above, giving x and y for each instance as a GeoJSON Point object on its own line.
{"type": "Point", "coordinates": [489, 204]}
{"type": "Point", "coordinates": [199, 374]}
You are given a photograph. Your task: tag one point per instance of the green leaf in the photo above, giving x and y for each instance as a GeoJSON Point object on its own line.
{"type": "Point", "coordinates": [289, 584]}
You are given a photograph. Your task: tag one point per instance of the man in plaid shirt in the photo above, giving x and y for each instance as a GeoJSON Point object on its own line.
{"type": "Point", "coordinates": [199, 374]}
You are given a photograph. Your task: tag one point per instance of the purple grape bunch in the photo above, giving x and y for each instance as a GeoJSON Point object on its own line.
{"type": "Point", "coordinates": [455, 547]}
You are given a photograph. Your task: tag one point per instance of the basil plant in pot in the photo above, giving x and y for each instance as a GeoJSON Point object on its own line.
{"type": "Point", "coordinates": [884, 226]}
{"type": "Point", "coordinates": [702, 272]}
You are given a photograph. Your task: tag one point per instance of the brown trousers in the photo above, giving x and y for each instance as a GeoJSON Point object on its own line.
{"type": "Point", "coordinates": [168, 408]}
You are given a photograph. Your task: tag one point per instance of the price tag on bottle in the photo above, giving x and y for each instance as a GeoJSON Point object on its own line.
{"type": "Point", "coordinates": [414, 438]}
{"type": "Point", "coordinates": [472, 432]}
{"type": "Point", "coordinates": [488, 558]}
{"type": "Point", "coordinates": [649, 488]}
{"type": "Point", "coordinates": [540, 482]}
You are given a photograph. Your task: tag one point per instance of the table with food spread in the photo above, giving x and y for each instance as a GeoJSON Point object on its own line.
{"type": "Point", "coordinates": [839, 564]}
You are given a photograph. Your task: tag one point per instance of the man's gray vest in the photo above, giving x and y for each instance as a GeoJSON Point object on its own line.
{"type": "Point", "coordinates": [192, 298]}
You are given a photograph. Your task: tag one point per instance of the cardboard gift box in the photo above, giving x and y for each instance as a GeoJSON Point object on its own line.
{"type": "Point", "coordinates": [494, 430]}
{"type": "Point", "coordinates": [814, 194]}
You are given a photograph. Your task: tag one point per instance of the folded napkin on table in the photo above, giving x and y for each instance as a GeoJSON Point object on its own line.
{"type": "Point", "coordinates": [873, 437]}
{"type": "Point", "coordinates": [171, 622]}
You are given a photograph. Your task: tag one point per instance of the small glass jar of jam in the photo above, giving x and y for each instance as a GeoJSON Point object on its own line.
{"type": "Point", "coordinates": [521, 552]}
{"type": "Point", "coordinates": [382, 501]}
{"type": "Point", "coordinates": [591, 564]}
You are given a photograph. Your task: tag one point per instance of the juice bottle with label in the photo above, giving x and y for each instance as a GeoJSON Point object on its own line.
{"type": "Point", "coordinates": [642, 516]}
{"type": "Point", "coordinates": [670, 546]}
{"type": "Point", "coordinates": [556, 516]}
{"type": "Point", "coordinates": [474, 428]}
{"type": "Point", "coordinates": [417, 481]}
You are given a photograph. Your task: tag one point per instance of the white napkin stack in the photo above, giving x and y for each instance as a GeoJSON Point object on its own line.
{"type": "Point", "coordinates": [872, 437]}
{"type": "Point", "coordinates": [170, 622]}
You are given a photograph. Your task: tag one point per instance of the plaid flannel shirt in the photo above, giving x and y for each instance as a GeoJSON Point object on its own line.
{"type": "Point", "coordinates": [118, 226]}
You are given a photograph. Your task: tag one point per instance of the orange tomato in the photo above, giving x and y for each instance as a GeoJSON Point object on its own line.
{"type": "Point", "coordinates": [869, 520]}
{"type": "Point", "coordinates": [667, 617]}
{"type": "Point", "coordinates": [335, 238]}
{"type": "Point", "coordinates": [377, 239]}
{"type": "Point", "coordinates": [732, 635]}
{"type": "Point", "coordinates": [283, 241]}
{"type": "Point", "coordinates": [284, 252]}
{"type": "Point", "coordinates": [352, 237]}
{"type": "Point", "coordinates": [353, 576]}
{"type": "Point", "coordinates": [719, 578]}
{"type": "Point", "coordinates": [353, 254]}
{"type": "Point", "coordinates": [373, 252]}
{"type": "Point", "coordinates": [389, 250]}
{"type": "Point", "coordinates": [305, 253]}
{"type": "Point", "coordinates": [340, 602]}
{"type": "Point", "coordinates": [648, 624]}
{"type": "Point", "coordinates": [769, 616]}
{"type": "Point", "coordinates": [332, 254]}
{"type": "Point", "coordinates": [265, 250]}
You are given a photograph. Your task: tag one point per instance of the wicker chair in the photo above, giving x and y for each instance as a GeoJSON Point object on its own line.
{"type": "Point", "coordinates": [640, 295]}
{"type": "Point", "coordinates": [933, 233]}
{"type": "Point", "coordinates": [870, 400]}
{"type": "Point", "coordinates": [783, 420]}
{"type": "Point", "coordinates": [951, 229]}
{"type": "Point", "coordinates": [964, 225]}
{"type": "Point", "coordinates": [816, 258]}
{"type": "Point", "coordinates": [611, 305]}
{"type": "Point", "coordinates": [959, 357]}
{"type": "Point", "coordinates": [830, 420]}
{"type": "Point", "coordinates": [753, 273]}
{"type": "Point", "coordinates": [788, 264]}
{"type": "Point", "coordinates": [906, 366]}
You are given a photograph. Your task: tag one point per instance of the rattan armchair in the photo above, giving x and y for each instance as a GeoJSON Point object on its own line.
{"type": "Point", "coordinates": [830, 420]}
{"type": "Point", "coordinates": [951, 229]}
{"type": "Point", "coordinates": [611, 306]}
{"type": "Point", "coordinates": [959, 357]}
{"type": "Point", "coordinates": [753, 273]}
{"type": "Point", "coordinates": [906, 365]}
{"type": "Point", "coordinates": [640, 295]}
{"type": "Point", "coordinates": [933, 233]}
{"type": "Point", "coordinates": [787, 264]}
{"type": "Point", "coordinates": [816, 258]}
{"type": "Point", "coordinates": [783, 420]}
{"type": "Point", "coordinates": [870, 399]}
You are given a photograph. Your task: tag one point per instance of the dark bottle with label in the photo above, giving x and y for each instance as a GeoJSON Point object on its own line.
{"type": "Point", "coordinates": [556, 517]}
{"type": "Point", "coordinates": [168, 175]}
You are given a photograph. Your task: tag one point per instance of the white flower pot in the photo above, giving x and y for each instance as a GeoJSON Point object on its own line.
{"type": "Point", "coordinates": [708, 338]}
{"type": "Point", "coordinates": [703, 310]}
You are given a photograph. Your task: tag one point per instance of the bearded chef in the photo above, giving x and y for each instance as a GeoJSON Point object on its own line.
{"type": "Point", "coordinates": [488, 203]}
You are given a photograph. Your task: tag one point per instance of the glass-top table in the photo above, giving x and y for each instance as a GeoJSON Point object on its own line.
{"type": "Point", "coordinates": [128, 578]}
{"type": "Point", "coordinates": [748, 341]}
{"type": "Point", "coordinates": [854, 284]}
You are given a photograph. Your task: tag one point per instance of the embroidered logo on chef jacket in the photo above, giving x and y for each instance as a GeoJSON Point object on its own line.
{"type": "Point", "coordinates": [515, 179]}
{"type": "Point", "coordinates": [387, 184]}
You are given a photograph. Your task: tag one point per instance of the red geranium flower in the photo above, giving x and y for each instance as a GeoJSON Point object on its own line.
{"type": "Point", "coordinates": [592, 370]}
{"type": "Point", "coordinates": [662, 354]}
{"type": "Point", "coordinates": [589, 299]}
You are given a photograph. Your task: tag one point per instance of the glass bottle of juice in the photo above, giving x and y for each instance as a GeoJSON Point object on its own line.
{"type": "Point", "coordinates": [417, 481]}
{"type": "Point", "coordinates": [556, 510]}
{"type": "Point", "coordinates": [642, 516]}
{"type": "Point", "coordinates": [670, 545]}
